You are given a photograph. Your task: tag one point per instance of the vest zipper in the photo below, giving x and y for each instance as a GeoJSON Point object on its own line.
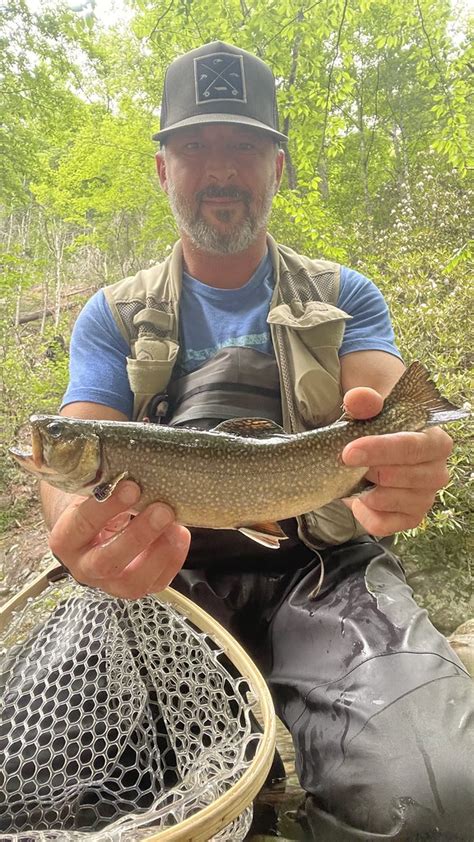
{"type": "Point", "coordinates": [293, 423]}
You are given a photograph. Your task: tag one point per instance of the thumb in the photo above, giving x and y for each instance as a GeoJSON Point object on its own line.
{"type": "Point", "coordinates": [362, 402]}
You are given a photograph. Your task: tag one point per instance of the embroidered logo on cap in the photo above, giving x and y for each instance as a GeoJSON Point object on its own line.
{"type": "Point", "coordinates": [219, 76]}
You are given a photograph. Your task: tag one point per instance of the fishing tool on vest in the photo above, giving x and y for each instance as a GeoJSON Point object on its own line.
{"type": "Point", "coordinates": [125, 720]}
{"type": "Point", "coordinates": [157, 409]}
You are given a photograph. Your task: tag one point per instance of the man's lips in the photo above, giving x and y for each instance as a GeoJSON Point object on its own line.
{"type": "Point", "coordinates": [226, 196]}
{"type": "Point", "coordinates": [221, 201]}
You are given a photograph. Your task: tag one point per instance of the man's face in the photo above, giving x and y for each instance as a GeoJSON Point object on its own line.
{"type": "Point", "coordinates": [220, 181]}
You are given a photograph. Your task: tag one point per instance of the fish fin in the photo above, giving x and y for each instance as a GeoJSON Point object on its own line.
{"type": "Point", "coordinates": [250, 427]}
{"type": "Point", "coordinates": [269, 534]}
{"type": "Point", "coordinates": [415, 386]}
{"type": "Point", "coordinates": [363, 485]}
{"type": "Point", "coordinates": [104, 490]}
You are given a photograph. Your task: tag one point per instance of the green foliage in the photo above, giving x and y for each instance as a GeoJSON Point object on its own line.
{"type": "Point", "coordinates": [31, 381]}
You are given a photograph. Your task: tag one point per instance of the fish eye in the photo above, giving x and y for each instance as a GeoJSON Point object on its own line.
{"type": "Point", "coordinates": [54, 429]}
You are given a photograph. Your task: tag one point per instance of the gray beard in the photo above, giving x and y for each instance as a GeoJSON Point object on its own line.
{"type": "Point", "coordinates": [211, 240]}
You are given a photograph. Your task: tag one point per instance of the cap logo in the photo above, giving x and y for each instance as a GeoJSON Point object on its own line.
{"type": "Point", "coordinates": [219, 76]}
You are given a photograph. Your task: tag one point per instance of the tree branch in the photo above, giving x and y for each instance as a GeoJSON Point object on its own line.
{"type": "Point", "coordinates": [300, 14]}
{"type": "Point", "coordinates": [292, 179]}
{"type": "Point", "coordinates": [328, 95]}
{"type": "Point", "coordinates": [159, 20]}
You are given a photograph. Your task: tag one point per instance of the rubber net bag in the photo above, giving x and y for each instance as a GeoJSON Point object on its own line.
{"type": "Point", "coordinates": [117, 719]}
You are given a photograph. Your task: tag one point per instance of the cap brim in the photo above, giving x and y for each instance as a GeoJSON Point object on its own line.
{"type": "Point", "coordinates": [237, 119]}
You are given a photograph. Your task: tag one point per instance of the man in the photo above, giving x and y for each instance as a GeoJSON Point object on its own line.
{"type": "Point", "coordinates": [234, 324]}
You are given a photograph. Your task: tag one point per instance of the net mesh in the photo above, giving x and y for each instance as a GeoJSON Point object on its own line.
{"type": "Point", "coordinates": [117, 719]}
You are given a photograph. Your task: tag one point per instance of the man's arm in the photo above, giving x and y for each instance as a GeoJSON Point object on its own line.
{"type": "Point", "coordinates": [101, 545]}
{"type": "Point", "coordinates": [407, 468]}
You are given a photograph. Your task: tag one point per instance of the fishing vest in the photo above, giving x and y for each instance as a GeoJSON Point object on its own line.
{"type": "Point", "coordinates": [306, 328]}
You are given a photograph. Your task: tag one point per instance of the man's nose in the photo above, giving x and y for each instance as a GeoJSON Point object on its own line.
{"type": "Point", "coordinates": [220, 166]}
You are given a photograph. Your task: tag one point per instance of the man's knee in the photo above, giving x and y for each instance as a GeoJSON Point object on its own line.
{"type": "Point", "coordinates": [406, 775]}
{"type": "Point", "coordinates": [438, 809]}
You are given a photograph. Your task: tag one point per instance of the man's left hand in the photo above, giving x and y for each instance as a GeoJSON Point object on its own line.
{"type": "Point", "coordinates": [406, 468]}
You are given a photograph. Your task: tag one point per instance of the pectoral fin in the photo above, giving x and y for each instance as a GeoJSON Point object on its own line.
{"type": "Point", "coordinates": [362, 485]}
{"type": "Point", "coordinates": [103, 491]}
{"type": "Point", "coordinates": [269, 534]}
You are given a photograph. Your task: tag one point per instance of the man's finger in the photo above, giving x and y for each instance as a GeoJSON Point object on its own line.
{"type": "Point", "coordinates": [79, 525]}
{"type": "Point", "coordinates": [406, 501]}
{"type": "Point", "coordinates": [156, 567]}
{"type": "Point", "coordinates": [362, 402]}
{"type": "Point", "coordinates": [153, 569]}
{"type": "Point", "coordinates": [108, 561]}
{"type": "Point", "coordinates": [398, 448]}
{"type": "Point", "coordinates": [427, 475]}
{"type": "Point", "coordinates": [381, 524]}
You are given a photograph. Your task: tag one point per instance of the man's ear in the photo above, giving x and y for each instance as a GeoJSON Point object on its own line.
{"type": "Point", "coordinates": [279, 167]}
{"type": "Point", "coordinates": [160, 161]}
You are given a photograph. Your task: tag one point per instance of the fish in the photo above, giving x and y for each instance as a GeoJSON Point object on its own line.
{"type": "Point", "coordinates": [246, 474]}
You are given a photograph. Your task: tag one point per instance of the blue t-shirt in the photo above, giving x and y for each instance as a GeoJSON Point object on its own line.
{"type": "Point", "coordinates": [211, 319]}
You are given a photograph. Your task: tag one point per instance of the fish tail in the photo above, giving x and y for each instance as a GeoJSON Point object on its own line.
{"type": "Point", "coordinates": [415, 387]}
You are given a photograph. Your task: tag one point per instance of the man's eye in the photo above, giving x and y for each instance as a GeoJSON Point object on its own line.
{"type": "Point", "coordinates": [245, 147]}
{"type": "Point", "coordinates": [192, 146]}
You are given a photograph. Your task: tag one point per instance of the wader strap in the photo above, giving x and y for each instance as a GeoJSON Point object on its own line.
{"type": "Point", "coordinates": [237, 382]}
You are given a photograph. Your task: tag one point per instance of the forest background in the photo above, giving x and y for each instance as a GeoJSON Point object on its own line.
{"type": "Point", "coordinates": [377, 100]}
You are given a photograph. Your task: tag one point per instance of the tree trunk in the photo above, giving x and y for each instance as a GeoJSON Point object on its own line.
{"type": "Point", "coordinates": [45, 303]}
{"type": "Point", "coordinates": [290, 168]}
{"type": "Point", "coordinates": [323, 178]}
{"type": "Point", "coordinates": [59, 250]}
{"type": "Point", "coordinates": [364, 159]}
{"type": "Point", "coordinates": [18, 305]}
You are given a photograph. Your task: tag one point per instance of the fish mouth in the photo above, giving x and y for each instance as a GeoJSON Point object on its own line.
{"type": "Point", "coordinates": [31, 460]}
{"type": "Point", "coordinates": [26, 460]}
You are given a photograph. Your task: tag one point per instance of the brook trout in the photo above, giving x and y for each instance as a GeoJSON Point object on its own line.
{"type": "Point", "coordinates": [247, 474]}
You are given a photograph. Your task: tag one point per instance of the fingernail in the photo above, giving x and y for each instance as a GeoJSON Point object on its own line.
{"type": "Point", "coordinates": [355, 457]}
{"type": "Point", "coordinates": [160, 516]}
{"type": "Point", "coordinates": [128, 493]}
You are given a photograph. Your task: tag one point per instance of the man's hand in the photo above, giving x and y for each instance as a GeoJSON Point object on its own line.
{"type": "Point", "coordinates": [103, 547]}
{"type": "Point", "coordinates": [407, 469]}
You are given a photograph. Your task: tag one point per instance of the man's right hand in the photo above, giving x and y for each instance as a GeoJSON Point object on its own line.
{"type": "Point", "coordinates": [104, 547]}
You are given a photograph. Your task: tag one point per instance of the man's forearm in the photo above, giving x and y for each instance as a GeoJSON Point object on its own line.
{"type": "Point", "coordinates": [54, 501]}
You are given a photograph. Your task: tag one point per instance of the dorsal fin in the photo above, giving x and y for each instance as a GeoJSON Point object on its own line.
{"type": "Point", "coordinates": [251, 428]}
{"type": "Point", "coordinates": [416, 387]}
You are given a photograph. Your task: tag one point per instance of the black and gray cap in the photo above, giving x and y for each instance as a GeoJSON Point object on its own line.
{"type": "Point", "coordinates": [219, 83]}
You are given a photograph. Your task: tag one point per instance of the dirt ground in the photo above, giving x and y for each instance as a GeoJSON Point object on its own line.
{"type": "Point", "coordinates": [24, 545]}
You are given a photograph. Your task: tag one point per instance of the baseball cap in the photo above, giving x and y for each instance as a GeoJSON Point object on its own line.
{"type": "Point", "coordinates": [219, 83]}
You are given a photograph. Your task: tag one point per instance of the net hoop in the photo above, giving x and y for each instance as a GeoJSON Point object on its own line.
{"type": "Point", "coordinates": [208, 821]}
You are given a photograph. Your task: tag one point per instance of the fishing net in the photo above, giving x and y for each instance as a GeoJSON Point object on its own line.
{"type": "Point", "coordinates": [120, 719]}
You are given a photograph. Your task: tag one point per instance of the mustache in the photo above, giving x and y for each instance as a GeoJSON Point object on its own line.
{"type": "Point", "coordinates": [213, 192]}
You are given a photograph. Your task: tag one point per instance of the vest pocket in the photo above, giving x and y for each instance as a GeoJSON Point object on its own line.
{"type": "Point", "coordinates": [318, 324]}
{"type": "Point", "coordinates": [313, 334]}
{"type": "Point", "coordinates": [150, 370]}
